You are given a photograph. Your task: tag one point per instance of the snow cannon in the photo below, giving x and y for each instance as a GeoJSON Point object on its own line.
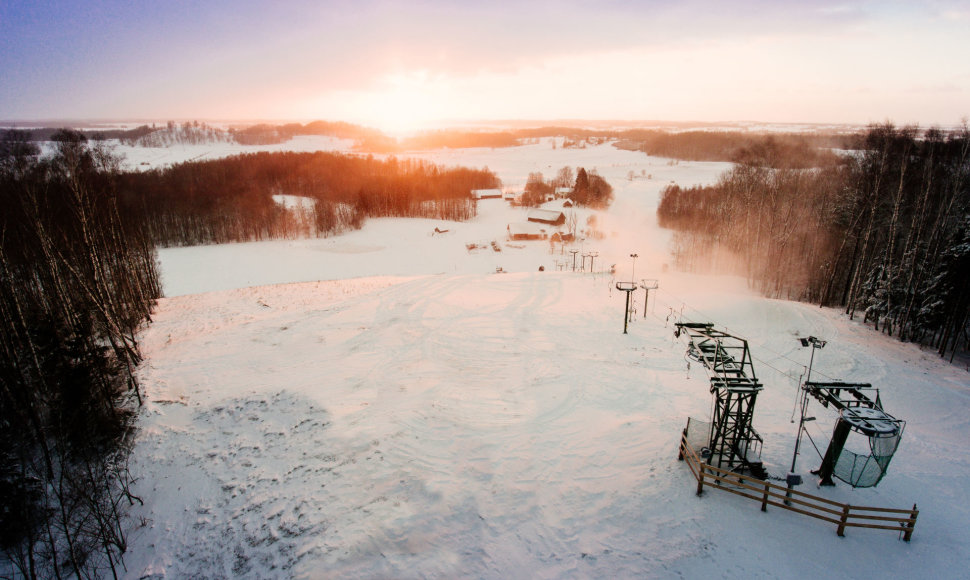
{"type": "Point", "coordinates": [861, 417]}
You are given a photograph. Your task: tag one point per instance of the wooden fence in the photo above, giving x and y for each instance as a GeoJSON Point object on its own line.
{"type": "Point", "coordinates": [842, 515]}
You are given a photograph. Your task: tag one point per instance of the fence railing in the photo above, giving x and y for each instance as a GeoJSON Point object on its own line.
{"type": "Point", "coordinates": [767, 493]}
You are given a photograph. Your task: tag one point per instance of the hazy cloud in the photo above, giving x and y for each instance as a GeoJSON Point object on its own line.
{"type": "Point", "coordinates": [178, 58]}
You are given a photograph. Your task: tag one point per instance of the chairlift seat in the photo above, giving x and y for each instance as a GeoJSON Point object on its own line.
{"type": "Point", "coordinates": [870, 421]}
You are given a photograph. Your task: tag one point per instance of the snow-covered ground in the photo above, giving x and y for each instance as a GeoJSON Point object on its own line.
{"type": "Point", "coordinates": [140, 158]}
{"type": "Point", "coordinates": [384, 404]}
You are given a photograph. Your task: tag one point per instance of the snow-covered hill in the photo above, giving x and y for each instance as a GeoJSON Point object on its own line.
{"type": "Point", "coordinates": [141, 157]}
{"type": "Point", "coordinates": [385, 405]}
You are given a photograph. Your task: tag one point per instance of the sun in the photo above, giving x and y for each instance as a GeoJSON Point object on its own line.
{"type": "Point", "coordinates": [406, 103]}
{"type": "Point", "coordinates": [398, 103]}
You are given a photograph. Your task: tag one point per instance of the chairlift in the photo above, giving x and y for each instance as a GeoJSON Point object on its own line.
{"type": "Point", "coordinates": [861, 417]}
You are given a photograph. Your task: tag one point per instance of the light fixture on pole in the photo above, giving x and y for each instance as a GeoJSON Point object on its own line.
{"type": "Point", "coordinates": [633, 275]}
{"type": "Point", "coordinates": [815, 343]}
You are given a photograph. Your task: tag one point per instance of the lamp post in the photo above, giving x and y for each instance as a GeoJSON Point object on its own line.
{"type": "Point", "coordinates": [633, 275]}
{"type": "Point", "coordinates": [815, 343]}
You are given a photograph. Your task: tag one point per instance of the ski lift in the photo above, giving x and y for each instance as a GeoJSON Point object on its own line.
{"type": "Point", "coordinates": [732, 441]}
{"type": "Point", "coordinates": [627, 287]}
{"type": "Point", "coordinates": [863, 416]}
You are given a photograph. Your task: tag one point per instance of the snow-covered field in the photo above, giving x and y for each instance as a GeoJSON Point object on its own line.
{"type": "Point", "coordinates": [384, 404]}
{"type": "Point", "coordinates": [140, 158]}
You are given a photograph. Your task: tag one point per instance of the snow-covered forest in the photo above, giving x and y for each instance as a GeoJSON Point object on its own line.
{"type": "Point", "coordinates": [230, 199]}
{"type": "Point", "coordinates": [78, 279]}
{"type": "Point", "coordinates": [883, 232]}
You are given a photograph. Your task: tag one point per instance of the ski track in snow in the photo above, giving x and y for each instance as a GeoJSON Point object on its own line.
{"type": "Point", "coordinates": [470, 424]}
{"type": "Point", "coordinates": [432, 414]}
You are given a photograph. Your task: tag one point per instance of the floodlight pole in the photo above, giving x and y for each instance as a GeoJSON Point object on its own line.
{"type": "Point", "coordinates": [633, 274]}
{"type": "Point", "coordinates": [815, 344]}
{"type": "Point", "coordinates": [793, 478]}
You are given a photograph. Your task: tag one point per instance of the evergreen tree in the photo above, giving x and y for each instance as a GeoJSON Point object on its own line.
{"type": "Point", "coordinates": [580, 193]}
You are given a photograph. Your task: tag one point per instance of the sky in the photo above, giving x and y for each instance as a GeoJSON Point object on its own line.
{"type": "Point", "coordinates": [407, 65]}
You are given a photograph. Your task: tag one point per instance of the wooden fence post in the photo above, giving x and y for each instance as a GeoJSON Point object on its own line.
{"type": "Point", "coordinates": [764, 499]}
{"type": "Point", "coordinates": [700, 477]}
{"type": "Point", "coordinates": [845, 517]}
{"type": "Point", "coordinates": [911, 525]}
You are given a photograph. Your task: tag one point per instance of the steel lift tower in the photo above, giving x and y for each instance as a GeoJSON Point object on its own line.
{"type": "Point", "coordinates": [732, 442]}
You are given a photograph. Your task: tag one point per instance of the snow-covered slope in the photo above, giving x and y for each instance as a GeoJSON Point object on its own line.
{"type": "Point", "coordinates": [139, 158]}
{"type": "Point", "coordinates": [404, 411]}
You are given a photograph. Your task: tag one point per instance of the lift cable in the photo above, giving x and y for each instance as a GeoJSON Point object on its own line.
{"type": "Point", "coordinates": [760, 346]}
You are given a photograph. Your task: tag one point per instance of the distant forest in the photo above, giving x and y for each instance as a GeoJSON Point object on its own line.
{"type": "Point", "coordinates": [195, 132]}
{"type": "Point", "coordinates": [365, 139]}
{"type": "Point", "coordinates": [884, 232]}
{"type": "Point", "coordinates": [230, 200]}
{"type": "Point", "coordinates": [809, 149]}
{"type": "Point", "coordinates": [789, 150]}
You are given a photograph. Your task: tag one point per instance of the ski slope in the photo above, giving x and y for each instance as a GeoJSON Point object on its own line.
{"type": "Point", "coordinates": [385, 404]}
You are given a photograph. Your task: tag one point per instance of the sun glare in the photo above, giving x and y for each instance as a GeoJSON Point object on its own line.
{"type": "Point", "coordinates": [406, 103]}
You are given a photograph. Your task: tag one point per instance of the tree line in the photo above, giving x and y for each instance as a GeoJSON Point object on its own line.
{"type": "Point", "coordinates": [263, 133]}
{"type": "Point", "coordinates": [781, 150]}
{"type": "Point", "coordinates": [231, 199]}
{"type": "Point", "coordinates": [194, 132]}
{"type": "Point", "coordinates": [884, 233]}
{"type": "Point", "coordinates": [809, 149]}
{"type": "Point", "coordinates": [77, 280]}
{"type": "Point", "coordinates": [806, 149]}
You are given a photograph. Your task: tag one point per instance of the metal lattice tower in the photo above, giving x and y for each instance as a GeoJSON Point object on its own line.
{"type": "Point", "coordinates": [733, 441]}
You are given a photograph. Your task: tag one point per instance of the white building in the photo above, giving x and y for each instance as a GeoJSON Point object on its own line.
{"type": "Point", "coordinates": [487, 193]}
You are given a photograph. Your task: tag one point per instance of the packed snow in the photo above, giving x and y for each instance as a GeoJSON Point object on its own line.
{"type": "Point", "coordinates": [397, 402]}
